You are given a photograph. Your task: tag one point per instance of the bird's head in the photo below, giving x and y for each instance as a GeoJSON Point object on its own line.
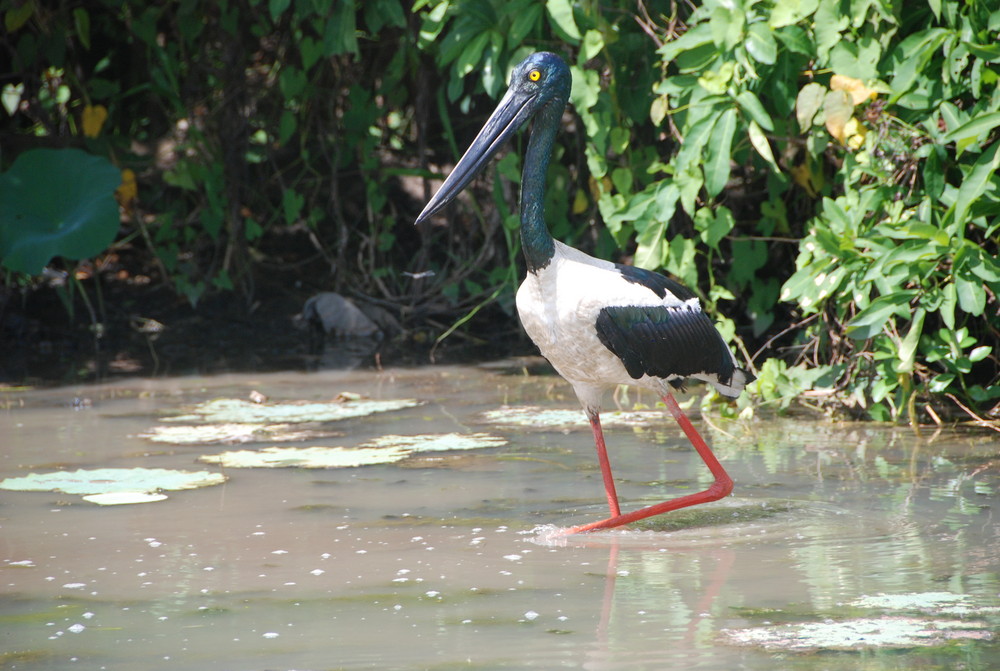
{"type": "Point", "coordinates": [539, 80]}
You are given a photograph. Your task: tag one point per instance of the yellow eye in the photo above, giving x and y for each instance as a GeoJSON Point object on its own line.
{"type": "Point", "coordinates": [534, 75]}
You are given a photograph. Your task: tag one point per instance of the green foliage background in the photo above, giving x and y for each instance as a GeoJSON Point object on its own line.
{"type": "Point", "coordinates": [823, 173]}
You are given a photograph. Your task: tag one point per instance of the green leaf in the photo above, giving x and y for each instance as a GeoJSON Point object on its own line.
{"type": "Point", "coordinates": [976, 127]}
{"type": "Point", "coordinates": [727, 26]}
{"type": "Point", "coordinates": [933, 173]}
{"type": "Point", "coordinates": [987, 52]}
{"type": "Point", "coordinates": [974, 185]}
{"type": "Point", "coordinates": [717, 81]}
{"type": "Point", "coordinates": [694, 140]}
{"type": "Point", "coordinates": [593, 42]}
{"type": "Point", "coordinates": [652, 246]}
{"type": "Point", "coordinates": [971, 295]}
{"type": "Point", "coordinates": [948, 304]}
{"type": "Point", "coordinates": [761, 45]}
{"type": "Point", "coordinates": [56, 202]}
{"type": "Point", "coordinates": [796, 40]}
{"type": "Point", "coordinates": [763, 147]}
{"type": "Point", "coordinates": [713, 226]}
{"type": "Point", "coordinates": [980, 353]}
{"type": "Point", "coordinates": [719, 153]}
{"type": "Point", "coordinates": [561, 12]}
{"type": "Point", "coordinates": [292, 203]}
{"type": "Point", "coordinates": [751, 105]}
{"type": "Point", "coordinates": [788, 12]}
{"type": "Point", "coordinates": [808, 103]}
{"type": "Point", "coordinates": [292, 82]}
{"type": "Point", "coordinates": [870, 321]}
{"type": "Point", "coordinates": [471, 54]}
{"type": "Point", "coordinates": [523, 23]}
{"type": "Point", "coordinates": [81, 21]}
{"type": "Point", "coordinates": [277, 8]}
{"type": "Point", "coordinates": [908, 347]}
{"type": "Point", "coordinates": [17, 16]}
{"type": "Point", "coordinates": [340, 35]}
{"type": "Point", "coordinates": [695, 38]}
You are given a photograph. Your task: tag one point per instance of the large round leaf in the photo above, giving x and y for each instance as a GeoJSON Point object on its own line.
{"type": "Point", "coordinates": [56, 202]}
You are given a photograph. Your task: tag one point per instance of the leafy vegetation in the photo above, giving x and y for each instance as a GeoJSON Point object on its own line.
{"type": "Point", "coordinates": [824, 174]}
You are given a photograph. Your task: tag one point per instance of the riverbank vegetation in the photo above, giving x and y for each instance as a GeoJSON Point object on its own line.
{"type": "Point", "coordinates": [823, 174]}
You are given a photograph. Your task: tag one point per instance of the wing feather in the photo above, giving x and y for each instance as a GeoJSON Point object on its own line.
{"type": "Point", "coordinates": [665, 342]}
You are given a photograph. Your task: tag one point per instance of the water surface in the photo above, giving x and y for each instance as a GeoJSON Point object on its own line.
{"type": "Point", "coordinates": [449, 560]}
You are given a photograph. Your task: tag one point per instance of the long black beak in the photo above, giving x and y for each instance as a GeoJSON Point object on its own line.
{"type": "Point", "coordinates": [513, 111]}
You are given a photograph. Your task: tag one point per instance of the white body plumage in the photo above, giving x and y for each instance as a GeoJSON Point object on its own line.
{"type": "Point", "coordinates": [559, 306]}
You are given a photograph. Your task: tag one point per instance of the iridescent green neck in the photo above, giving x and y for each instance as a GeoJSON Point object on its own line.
{"type": "Point", "coordinates": [536, 241]}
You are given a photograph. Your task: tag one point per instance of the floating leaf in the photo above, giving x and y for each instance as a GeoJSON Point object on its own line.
{"type": "Point", "coordinates": [381, 450]}
{"type": "Point", "coordinates": [306, 457]}
{"type": "Point", "coordinates": [230, 432]}
{"type": "Point", "coordinates": [439, 442]}
{"type": "Point", "coordinates": [932, 602]}
{"type": "Point", "coordinates": [529, 415]}
{"type": "Point", "coordinates": [860, 633]}
{"type": "Point", "coordinates": [225, 410]}
{"type": "Point", "coordinates": [123, 498]}
{"type": "Point", "coordinates": [108, 480]}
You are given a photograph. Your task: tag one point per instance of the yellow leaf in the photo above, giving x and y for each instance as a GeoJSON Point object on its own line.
{"type": "Point", "coordinates": [806, 176]}
{"type": "Point", "coordinates": [854, 87]}
{"type": "Point", "coordinates": [854, 134]}
{"type": "Point", "coordinates": [580, 202]}
{"type": "Point", "coordinates": [838, 109]}
{"type": "Point", "coordinates": [128, 191]}
{"type": "Point", "coordinates": [94, 117]}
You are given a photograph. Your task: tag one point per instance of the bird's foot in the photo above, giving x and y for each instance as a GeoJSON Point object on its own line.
{"type": "Point", "coordinates": [719, 489]}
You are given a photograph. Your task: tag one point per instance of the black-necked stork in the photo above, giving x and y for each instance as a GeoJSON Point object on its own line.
{"type": "Point", "coordinates": [600, 324]}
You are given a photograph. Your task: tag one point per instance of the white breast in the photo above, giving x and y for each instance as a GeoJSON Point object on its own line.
{"type": "Point", "coordinates": [559, 306]}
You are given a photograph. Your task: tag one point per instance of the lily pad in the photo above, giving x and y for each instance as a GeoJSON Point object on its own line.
{"type": "Point", "coordinates": [110, 480]}
{"type": "Point", "coordinates": [859, 634]}
{"type": "Point", "coordinates": [123, 498]}
{"type": "Point", "coordinates": [228, 410]}
{"type": "Point", "coordinates": [937, 603]}
{"type": "Point", "coordinates": [381, 450]}
{"type": "Point", "coordinates": [439, 442]}
{"type": "Point", "coordinates": [534, 416]}
{"type": "Point", "coordinates": [209, 434]}
{"type": "Point", "coordinates": [56, 202]}
{"type": "Point", "coordinates": [306, 457]}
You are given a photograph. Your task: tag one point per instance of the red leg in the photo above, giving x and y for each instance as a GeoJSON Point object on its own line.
{"type": "Point", "coordinates": [722, 486]}
{"type": "Point", "coordinates": [602, 457]}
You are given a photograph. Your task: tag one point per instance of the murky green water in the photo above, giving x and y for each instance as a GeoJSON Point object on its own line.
{"type": "Point", "coordinates": [447, 560]}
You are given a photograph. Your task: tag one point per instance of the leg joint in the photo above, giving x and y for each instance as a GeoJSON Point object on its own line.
{"type": "Point", "coordinates": [720, 489]}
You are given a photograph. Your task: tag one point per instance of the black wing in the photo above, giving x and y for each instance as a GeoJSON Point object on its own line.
{"type": "Point", "coordinates": [659, 284]}
{"type": "Point", "coordinates": [665, 341]}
